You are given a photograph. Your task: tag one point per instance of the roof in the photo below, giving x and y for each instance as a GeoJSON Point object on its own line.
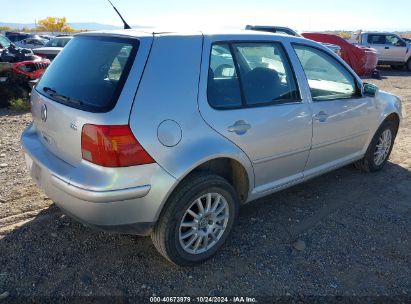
{"type": "Point", "coordinates": [380, 33]}
{"type": "Point", "coordinates": [159, 32]}
{"type": "Point", "coordinates": [271, 27]}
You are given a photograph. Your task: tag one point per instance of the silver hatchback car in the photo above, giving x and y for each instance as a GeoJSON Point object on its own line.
{"type": "Point", "coordinates": [169, 134]}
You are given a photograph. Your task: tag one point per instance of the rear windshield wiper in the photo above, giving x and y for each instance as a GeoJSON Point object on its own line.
{"type": "Point", "coordinates": [49, 90]}
{"type": "Point", "coordinates": [60, 97]}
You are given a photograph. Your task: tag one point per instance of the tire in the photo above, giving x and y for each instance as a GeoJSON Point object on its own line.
{"type": "Point", "coordinates": [370, 162]}
{"type": "Point", "coordinates": [397, 67]}
{"type": "Point", "coordinates": [168, 234]}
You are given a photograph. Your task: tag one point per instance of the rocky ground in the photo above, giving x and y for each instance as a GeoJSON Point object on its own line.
{"type": "Point", "coordinates": [353, 230]}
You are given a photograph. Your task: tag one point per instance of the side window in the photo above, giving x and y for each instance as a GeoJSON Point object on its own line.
{"type": "Point", "coordinates": [394, 40]}
{"type": "Point", "coordinates": [223, 88]}
{"type": "Point", "coordinates": [376, 39]}
{"type": "Point", "coordinates": [117, 66]}
{"type": "Point", "coordinates": [52, 43]}
{"type": "Point", "coordinates": [265, 73]}
{"type": "Point", "coordinates": [327, 78]}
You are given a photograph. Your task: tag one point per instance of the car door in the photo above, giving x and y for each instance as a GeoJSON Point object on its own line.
{"type": "Point", "coordinates": [342, 118]}
{"type": "Point", "coordinates": [254, 101]}
{"type": "Point", "coordinates": [377, 42]}
{"type": "Point", "coordinates": [395, 48]}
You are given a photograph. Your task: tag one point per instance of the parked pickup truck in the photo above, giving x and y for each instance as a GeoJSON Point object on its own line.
{"type": "Point", "coordinates": [391, 48]}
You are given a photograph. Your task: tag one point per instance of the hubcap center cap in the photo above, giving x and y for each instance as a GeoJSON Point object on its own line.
{"type": "Point", "coordinates": [203, 222]}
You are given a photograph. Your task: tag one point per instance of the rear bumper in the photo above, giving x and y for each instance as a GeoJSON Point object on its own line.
{"type": "Point", "coordinates": [99, 196]}
{"type": "Point", "coordinates": [126, 200]}
{"type": "Point", "coordinates": [135, 228]}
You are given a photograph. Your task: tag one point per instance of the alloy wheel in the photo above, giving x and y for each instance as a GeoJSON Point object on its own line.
{"type": "Point", "coordinates": [204, 223]}
{"type": "Point", "coordinates": [383, 147]}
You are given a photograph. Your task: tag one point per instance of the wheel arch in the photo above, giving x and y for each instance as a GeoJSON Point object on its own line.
{"type": "Point", "coordinates": [231, 170]}
{"type": "Point", "coordinates": [394, 117]}
{"type": "Point", "coordinates": [239, 174]}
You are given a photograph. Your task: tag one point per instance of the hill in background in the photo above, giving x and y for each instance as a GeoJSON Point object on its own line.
{"type": "Point", "coordinates": [91, 26]}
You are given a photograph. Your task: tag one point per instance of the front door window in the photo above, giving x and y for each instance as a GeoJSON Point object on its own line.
{"type": "Point", "coordinates": [327, 78]}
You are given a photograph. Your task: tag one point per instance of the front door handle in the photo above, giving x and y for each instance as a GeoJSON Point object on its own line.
{"type": "Point", "coordinates": [387, 47]}
{"type": "Point", "coordinates": [240, 127]}
{"type": "Point", "coordinates": [321, 116]}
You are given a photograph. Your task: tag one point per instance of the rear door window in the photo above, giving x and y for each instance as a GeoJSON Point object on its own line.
{"type": "Point", "coordinates": [223, 88]}
{"type": "Point", "coordinates": [376, 39]}
{"type": "Point", "coordinates": [266, 74]}
{"type": "Point", "coordinates": [90, 72]}
{"type": "Point", "coordinates": [248, 74]}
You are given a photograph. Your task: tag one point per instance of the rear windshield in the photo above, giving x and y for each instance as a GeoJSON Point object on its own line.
{"type": "Point", "coordinates": [90, 72]}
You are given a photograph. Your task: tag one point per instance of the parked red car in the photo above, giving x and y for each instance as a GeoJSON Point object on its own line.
{"type": "Point", "coordinates": [362, 60]}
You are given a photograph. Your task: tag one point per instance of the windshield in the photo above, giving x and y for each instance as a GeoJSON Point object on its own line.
{"type": "Point", "coordinates": [4, 42]}
{"type": "Point", "coordinates": [90, 72]}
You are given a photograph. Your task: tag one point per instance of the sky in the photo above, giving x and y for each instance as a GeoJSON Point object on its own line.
{"type": "Point", "coordinates": [309, 15]}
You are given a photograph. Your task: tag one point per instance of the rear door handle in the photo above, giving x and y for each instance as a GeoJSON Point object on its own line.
{"type": "Point", "coordinates": [321, 116]}
{"type": "Point", "coordinates": [387, 47]}
{"type": "Point", "coordinates": [240, 127]}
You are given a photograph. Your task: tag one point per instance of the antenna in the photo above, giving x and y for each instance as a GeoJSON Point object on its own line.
{"type": "Point", "coordinates": [126, 26]}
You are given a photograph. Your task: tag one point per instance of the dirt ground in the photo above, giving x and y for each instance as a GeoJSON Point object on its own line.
{"type": "Point", "coordinates": [356, 228]}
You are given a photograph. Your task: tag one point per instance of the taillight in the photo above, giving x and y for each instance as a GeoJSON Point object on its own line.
{"type": "Point", "coordinates": [112, 146]}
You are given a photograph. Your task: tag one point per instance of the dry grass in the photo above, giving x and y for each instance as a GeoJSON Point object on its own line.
{"type": "Point", "coordinates": [20, 104]}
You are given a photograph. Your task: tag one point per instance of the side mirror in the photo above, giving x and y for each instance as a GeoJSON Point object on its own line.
{"type": "Point", "coordinates": [369, 89]}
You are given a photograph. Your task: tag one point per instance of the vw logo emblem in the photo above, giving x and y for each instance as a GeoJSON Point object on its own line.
{"type": "Point", "coordinates": [43, 113]}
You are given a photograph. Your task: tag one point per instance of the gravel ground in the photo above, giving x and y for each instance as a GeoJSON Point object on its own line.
{"type": "Point", "coordinates": [353, 228]}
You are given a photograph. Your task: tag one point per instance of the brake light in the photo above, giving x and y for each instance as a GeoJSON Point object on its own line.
{"type": "Point", "coordinates": [112, 146]}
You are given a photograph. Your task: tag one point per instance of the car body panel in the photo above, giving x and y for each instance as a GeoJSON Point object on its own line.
{"type": "Point", "coordinates": [345, 131]}
{"type": "Point", "coordinates": [198, 143]}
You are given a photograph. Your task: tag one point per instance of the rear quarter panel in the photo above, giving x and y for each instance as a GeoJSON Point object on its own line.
{"type": "Point", "coordinates": [169, 91]}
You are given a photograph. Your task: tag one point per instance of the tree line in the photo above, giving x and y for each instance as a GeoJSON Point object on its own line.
{"type": "Point", "coordinates": [48, 24]}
